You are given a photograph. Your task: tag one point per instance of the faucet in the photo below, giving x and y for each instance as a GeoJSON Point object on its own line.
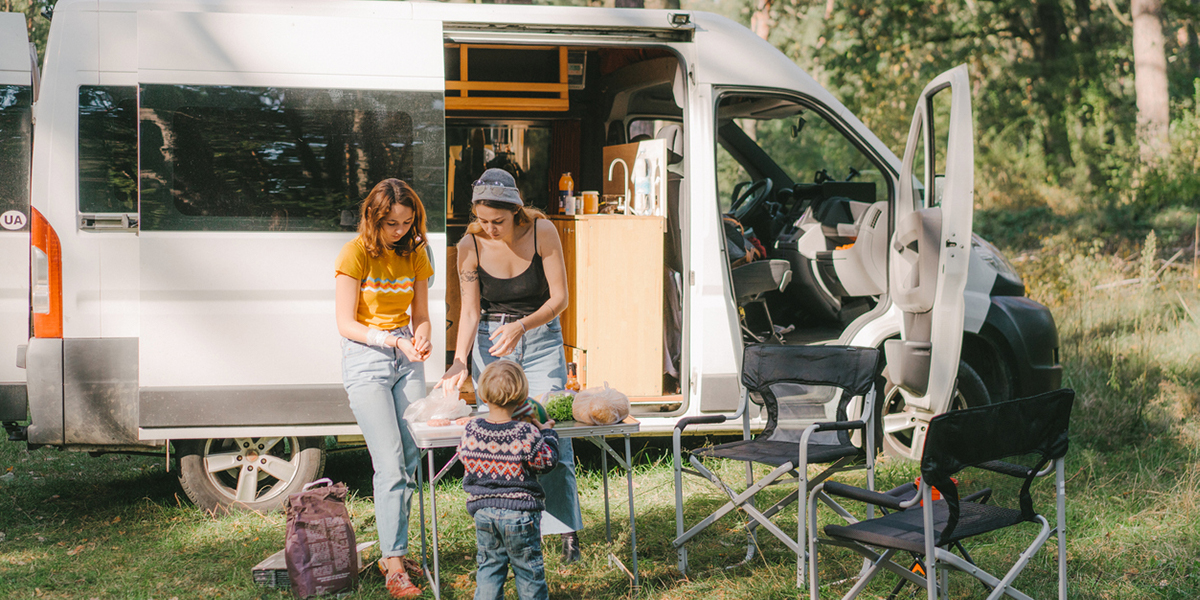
{"type": "Point", "coordinates": [624, 180]}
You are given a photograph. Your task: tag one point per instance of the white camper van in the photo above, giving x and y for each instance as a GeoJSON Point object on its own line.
{"type": "Point", "coordinates": [198, 165]}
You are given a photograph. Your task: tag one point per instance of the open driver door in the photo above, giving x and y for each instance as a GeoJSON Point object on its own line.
{"type": "Point", "coordinates": [929, 253]}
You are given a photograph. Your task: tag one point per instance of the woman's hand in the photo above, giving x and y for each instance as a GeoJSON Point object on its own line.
{"type": "Point", "coordinates": [544, 426]}
{"type": "Point", "coordinates": [504, 340]}
{"type": "Point", "coordinates": [422, 345]}
{"type": "Point", "coordinates": [409, 351]}
{"type": "Point", "coordinates": [454, 378]}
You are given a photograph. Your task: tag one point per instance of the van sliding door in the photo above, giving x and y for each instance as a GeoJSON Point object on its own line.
{"type": "Point", "coordinates": [16, 143]}
{"type": "Point", "coordinates": [259, 137]}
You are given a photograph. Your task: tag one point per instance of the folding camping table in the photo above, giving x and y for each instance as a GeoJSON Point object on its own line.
{"type": "Point", "coordinates": [427, 438]}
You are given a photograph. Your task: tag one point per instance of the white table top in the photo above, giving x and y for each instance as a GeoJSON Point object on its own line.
{"type": "Point", "coordinates": [448, 436]}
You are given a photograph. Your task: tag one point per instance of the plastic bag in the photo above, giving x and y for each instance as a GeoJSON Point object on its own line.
{"type": "Point", "coordinates": [436, 406]}
{"type": "Point", "coordinates": [319, 547]}
{"type": "Point", "coordinates": [600, 406]}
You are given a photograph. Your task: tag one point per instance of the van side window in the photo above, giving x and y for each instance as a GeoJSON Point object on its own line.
{"type": "Point", "coordinates": [16, 138]}
{"type": "Point", "coordinates": [226, 158]}
{"type": "Point", "coordinates": [107, 149]}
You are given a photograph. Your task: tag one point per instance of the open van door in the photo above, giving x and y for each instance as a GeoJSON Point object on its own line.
{"type": "Point", "coordinates": [929, 253]}
{"type": "Point", "coordinates": [16, 145]}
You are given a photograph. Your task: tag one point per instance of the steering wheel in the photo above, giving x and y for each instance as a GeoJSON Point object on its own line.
{"type": "Point", "coordinates": [750, 198]}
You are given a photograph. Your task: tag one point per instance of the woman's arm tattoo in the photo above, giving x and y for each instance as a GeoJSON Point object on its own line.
{"type": "Point", "coordinates": [468, 276]}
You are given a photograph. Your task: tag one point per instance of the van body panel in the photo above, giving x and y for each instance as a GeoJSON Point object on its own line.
{"type": "Point", "coordinates": [44, 361]}
{"type": "Point", "coordinates": [100, 378]}
{"type": "Point", "coordinates": [70, 62]}
{"type": "Point", "coordinates": [241, 47]}
{"type": "Point", "coordinates": [16, 145]}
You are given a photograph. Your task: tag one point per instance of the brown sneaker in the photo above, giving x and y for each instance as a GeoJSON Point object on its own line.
{"type": "Point", "coordinates": [398, 583]}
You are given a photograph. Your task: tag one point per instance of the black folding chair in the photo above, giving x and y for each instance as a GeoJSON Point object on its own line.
{"type": "Point", "coordinates": [808, 394]}
{"type": "Point", "coordinates": [985, 437]}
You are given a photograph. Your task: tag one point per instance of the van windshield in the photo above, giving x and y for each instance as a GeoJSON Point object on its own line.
{"type": "Point", "coordinates": [761, 136]}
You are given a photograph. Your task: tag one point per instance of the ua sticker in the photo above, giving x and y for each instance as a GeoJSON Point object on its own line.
{"type": "Point", "coordinates": [12, 220]}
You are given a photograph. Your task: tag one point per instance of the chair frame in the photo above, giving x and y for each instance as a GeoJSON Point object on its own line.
{"type": "Point", "coordinates": [797, 469]}
{"type": "Point", "coordinates": [937, 559]}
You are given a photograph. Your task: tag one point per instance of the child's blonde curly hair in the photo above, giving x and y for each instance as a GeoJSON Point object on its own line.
{"type": "Point", "coordinates": [503, 383]}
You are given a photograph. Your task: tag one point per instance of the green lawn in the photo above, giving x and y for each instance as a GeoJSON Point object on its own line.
{"type": "Point", "coordinates": [76, 526]}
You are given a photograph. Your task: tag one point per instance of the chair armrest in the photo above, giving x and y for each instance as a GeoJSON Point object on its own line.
{"type": "Point", "coordinates": [861, 495]}
{"type": "Point", "coordinates": [701, 420]}
{"type": "Point", "coordinates": [840, 425]}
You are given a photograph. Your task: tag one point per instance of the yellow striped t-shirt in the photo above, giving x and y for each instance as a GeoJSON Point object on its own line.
{"type": "Point", "coordinates": [385, 284]}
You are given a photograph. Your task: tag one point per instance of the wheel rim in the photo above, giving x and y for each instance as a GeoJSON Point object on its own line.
{"type": "Point", "coordinates": [901, 420]}
{"type": "Point", "coordinates": [250, 470]}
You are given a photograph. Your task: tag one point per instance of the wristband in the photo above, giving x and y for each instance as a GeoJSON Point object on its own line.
{"type": "Point", "coordinates": [378, 337]}
{"type": "Point", "coordinates": [521, 322]}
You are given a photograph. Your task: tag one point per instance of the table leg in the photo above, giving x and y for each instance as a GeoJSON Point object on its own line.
{"type": "Point", "coordinates": [436, 583]}
{"type": "Point", "coordinates": [632, 521]}
{"type": "Point", "coordinates": [421, 502]}
{"type": "Point", "coordinates": [607, 515]}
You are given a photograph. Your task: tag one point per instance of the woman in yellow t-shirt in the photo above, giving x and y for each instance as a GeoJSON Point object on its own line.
{"type": "Point", "coordinates": [382, 312]}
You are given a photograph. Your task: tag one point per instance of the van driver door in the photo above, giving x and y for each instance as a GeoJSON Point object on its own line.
{"type": "Point", "coordinates": [929, 252]}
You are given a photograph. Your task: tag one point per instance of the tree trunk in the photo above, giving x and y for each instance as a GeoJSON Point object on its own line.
{"type": "Point", "coordinates": [1150, 80]}
{"type": "Point", "coordinates": [1049, 51]}
{"type": "Point", "coordinates": [760, 19]}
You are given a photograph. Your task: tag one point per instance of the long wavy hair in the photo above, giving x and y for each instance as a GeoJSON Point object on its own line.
{"type": "Point", "coordinates": [378, 205]}
{"type": "Point", "coordinates": [521, 214]}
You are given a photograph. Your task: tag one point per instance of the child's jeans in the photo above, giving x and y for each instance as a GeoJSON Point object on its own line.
{"type": "Point", "coordinates": [504, 537]}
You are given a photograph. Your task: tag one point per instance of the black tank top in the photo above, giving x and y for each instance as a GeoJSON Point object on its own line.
{"type": "Point", "coordinates": [520, 295]}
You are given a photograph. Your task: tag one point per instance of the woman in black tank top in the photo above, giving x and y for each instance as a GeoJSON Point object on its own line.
{"type": "Point", "coordinates": [513, 282]}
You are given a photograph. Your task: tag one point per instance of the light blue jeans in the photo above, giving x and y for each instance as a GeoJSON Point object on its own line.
{"type": "Point", "coordinates": [540, 354]}
{"type": "Point", "coordinates": [381, 382]}
{"type": "Point", "coordinates": [503, 537]}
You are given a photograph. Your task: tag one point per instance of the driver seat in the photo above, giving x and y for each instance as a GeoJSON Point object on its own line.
{"type": "Point", "coordinates": [752, 281]}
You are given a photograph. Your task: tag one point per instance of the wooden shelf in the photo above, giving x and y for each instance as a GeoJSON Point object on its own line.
{"type": "Point", "coordinates": [475, 94]}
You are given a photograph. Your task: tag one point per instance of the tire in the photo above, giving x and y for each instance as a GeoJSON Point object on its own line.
{"type": "Point", "coordinates": [898, 421]}
{"type": "Point", "coordinates": [224, 475]}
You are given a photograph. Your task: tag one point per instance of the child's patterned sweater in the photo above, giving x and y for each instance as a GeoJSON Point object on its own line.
{"type": "Point", "coordinates": [501, 461]}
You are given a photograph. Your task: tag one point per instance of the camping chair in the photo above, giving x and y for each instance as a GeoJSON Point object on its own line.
{"type": "Point", "coordinates": [807, 394]}
{"type": "Point", "coordinates": [983, 437]}
{"type": "Point", "coordinates": [752, 281]}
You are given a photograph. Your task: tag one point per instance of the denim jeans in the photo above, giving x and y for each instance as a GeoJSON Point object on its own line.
{"type": "Point", "coordinates": [505, 537]}
{"type": "Point", "coordinates": [381, 382]}
{"type": "Point", "coordinates": [540, 354]}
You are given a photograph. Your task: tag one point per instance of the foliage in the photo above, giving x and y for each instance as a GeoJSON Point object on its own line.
{"type": "Point", "coordinates": [559, 407]}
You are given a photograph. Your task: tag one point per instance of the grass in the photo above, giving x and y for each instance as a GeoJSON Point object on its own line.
{"type": "Point", "coordinates": [77, 526]}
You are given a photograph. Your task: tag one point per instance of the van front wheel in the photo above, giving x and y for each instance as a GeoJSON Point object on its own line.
{"type": "Point", "coordinates": [222, 475]}
{"type": "Point", "coordinates": [900, 420]}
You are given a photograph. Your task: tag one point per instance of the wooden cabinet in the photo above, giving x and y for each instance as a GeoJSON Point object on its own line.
{"type": "Point", "coordinates": [615, 316]}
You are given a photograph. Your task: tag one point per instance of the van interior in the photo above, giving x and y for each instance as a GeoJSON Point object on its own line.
{"type": "Point", "coordinates": [609, 117]}
{"type": "Point", "coordinates": [792, 187]}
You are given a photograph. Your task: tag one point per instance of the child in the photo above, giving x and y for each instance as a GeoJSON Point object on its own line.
{"type": "Point", "coordinates": [501, 457]}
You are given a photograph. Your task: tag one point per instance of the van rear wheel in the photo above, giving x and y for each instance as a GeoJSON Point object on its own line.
{"type": "Point", "coordinates": [900, 420]}
{"type": "Point", "coordinates": [223, 475]}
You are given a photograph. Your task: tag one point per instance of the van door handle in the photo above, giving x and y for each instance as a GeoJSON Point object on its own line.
{"type": "Point", "coordinates": [108, 221]}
